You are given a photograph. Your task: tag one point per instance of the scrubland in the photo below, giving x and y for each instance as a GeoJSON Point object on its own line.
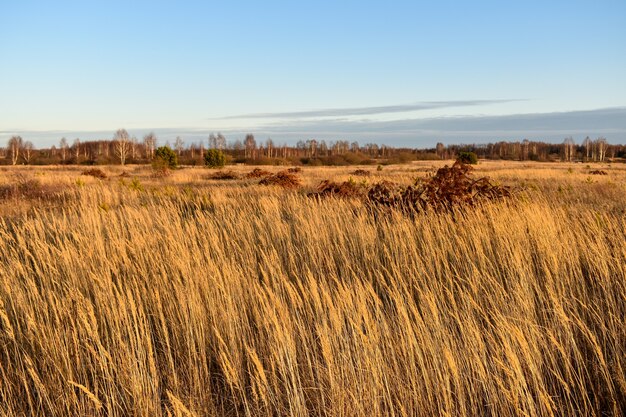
{"type": "Point", "coordinates": [191, 296]}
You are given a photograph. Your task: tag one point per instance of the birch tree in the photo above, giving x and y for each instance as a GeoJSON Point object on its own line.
{"type": "Point", "coordinates": [28, 152]}
{"type": "Point", "coordinates": [15, 146]}
{"type": "Point", "coordinates": [149, 142]}
{"type": "Point", "coordinates": [121, 142]}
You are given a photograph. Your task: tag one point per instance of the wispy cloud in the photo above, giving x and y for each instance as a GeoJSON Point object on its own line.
{"type": "Point", "coordinates": [366, 111]}
{"type": "Point", "coordinates": [413, 132]}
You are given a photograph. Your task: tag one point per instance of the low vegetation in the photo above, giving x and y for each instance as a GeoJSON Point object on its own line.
{"type": "Point", "coordinates": [178, 296]}
{"type": "Point", "coordinates": [96, 173]}
{"type": "Point", "coordinates": [284, 179]}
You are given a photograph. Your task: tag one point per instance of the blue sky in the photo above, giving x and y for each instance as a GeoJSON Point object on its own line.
{"type": "Point", "coordinates": [405, 73]}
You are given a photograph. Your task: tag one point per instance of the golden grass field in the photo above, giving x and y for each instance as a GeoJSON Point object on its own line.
{"type": "Point", "coordinates": [186, 296]}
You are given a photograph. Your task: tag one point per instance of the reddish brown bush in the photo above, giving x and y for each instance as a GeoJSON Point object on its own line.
{"type": "Point", "coordinates": [294, 170]}
{"type": "Point", "coordinates": [346, 189]}
{"type": "Point", "coordinates": [598, 172]}
{"type": "Point", "coordinates": [258, 173]}
{"type": "Point", "coordinates": [158, 172]}
{"type": "Point", "coordinates": [96, 173]}
{"type": "Point", "coordinates": [127, 175]}
{"type": "Point", "coordinates": [224, 175]}
{"type": "Point", "coordinates": [450, 187]}
{"type": "Point", "coordinates": [282, 179]}
{"type": "Point", "coordinates": [361, 173]}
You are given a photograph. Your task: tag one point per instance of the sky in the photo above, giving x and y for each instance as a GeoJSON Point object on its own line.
{"type": "Point", "coordinates": [402, 73]}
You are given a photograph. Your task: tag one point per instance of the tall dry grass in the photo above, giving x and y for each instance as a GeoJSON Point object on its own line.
{"type": "Point", "coordinates": [236, 299]}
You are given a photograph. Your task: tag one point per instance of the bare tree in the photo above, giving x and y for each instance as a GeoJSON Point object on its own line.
{"type": "Point", "coordinates": [269, 144]}
{"type": "Point", "coordinates": [220, 142]}
{"type": "Point", "coordinates": [63, 146]}
{"type": "Point", "coordinates": [568, 149]}
{"type": "Point", "coordinates": [28, 152]}
{"type": "Point", "coordinates": [212, 141]}
{"type": "Point", "coordinates": [122, 144]}
{"type": "Point", "coordinates": [178, 145]}
{"type": "Point", "coordinates": [250, 145]}
{"type": "Point", "coordinates": [587, 144]}
{"type": "Point", "coordinates": [15, 146]}
{"type": "Point", "coordinates": [149, 142]}
{"type": "Point", "coordinates": [602, 145]}
{"type": "Point", "coordinates": [76, 148]}
{"type": "Point", "coordinates": [440, 150]}
{"type": "Point", "coordinates": [133, 147]}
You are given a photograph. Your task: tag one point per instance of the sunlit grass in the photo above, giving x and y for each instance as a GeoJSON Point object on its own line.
{"type": "Point", "coordinates": [188, 296]}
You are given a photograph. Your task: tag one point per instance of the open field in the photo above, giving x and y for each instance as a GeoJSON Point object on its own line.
{"type": "Point", "coordinates": [184, 295]}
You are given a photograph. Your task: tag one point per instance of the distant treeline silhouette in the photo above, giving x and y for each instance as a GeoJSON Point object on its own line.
{"type": "Point", "coordinates": [124, 149]}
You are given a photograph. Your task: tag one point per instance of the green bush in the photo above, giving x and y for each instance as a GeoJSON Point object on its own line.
{"type": "Point", "coordinates": [165, 158]}
{"type": "Point", "coordinates": [214, 158]}
{"type": "Point", "coordinates": [468, 158]}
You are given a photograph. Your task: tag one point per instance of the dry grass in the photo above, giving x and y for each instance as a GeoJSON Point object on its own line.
{"type": "Point", "coordinates": [181, 297]}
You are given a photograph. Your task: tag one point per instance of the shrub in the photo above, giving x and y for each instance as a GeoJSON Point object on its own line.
{"type": "Point", "coordinates": [450, 187]}
{"type": "Point", "coordinates": [165, 157]}
{"type": "Point", "coordinates": [282, 179]}
{"type": "Point", "coordinates": [224, 175]}
{"type": "Point", "coordinates": [214, 158]}
{"type": "Point", "coordinates": [346, 189]}
{"type": "Point", "coordinates": [361, 173]}
{"type": "Point", "coordinates": [96, 173]}
{"type": "Point", "coordinates": [258, 173]}
{"type": "Point", "coordinates": [467, 158]}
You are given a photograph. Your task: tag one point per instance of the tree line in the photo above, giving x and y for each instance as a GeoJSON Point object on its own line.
{"type": "Point", "coordinates": [122, 148]}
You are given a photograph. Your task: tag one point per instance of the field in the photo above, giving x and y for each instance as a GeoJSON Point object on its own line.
{"type": "Point", "coordinates": [190, 296]}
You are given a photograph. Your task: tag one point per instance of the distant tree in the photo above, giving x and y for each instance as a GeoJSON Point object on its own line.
{"type": "Point", "coordinates": [214, 158]}
{"type": "Point", "coordinates": [122, 145]}
{"type": "Point", "coordinates": [587, 144]}
{"type": "Point", "coordinates": [212, 141]}
{"type": "Point", "coordinates": [440, 149]}
{"type": "Point", "coordinates": [269, 144]}
{"type": "Point", "coordinates": [178, 145]}
{"type": "Point", "coordinates": [220, 142]}
{"type": "Point", "coordinates": [569, 147]}
{"type": "Point", "coordinates": [28, 152]}
{"type": "Point", "coordinates": [76, 148]}
{"type": "Point", "coordinates": [165, 157]}
{"type": "Point", "coordinates": [149, 143]}
{"type": "Point", "coordinates": [250, 145]}
{"type": "Point", "coordinates": [601, 145]}
{"type": "Point", "coordinates": [15, 146]}
{"type": "Point", "coordinates": [63, 147]}
{"type": "Point", "coordinates": [134, 143]}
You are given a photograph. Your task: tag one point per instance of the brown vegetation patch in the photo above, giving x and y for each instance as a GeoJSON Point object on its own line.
{"type": "Point", "coordinates": [361, 173]}
{"type": "Point", "coordinates": [29, 189]}
{"type": "Point", "coordinates": [346, 189]}
{"type": "Point", "coordinates": [450, 187]}
{"type": "Point", "coordinates": [157, 172]}
{"type": "Point", "coordinates": [598, 172]}
{"type": "Point", "coordinates": [224, 175]}
{"type": "Point", "coordinates": [96, 173]}
{"type": "Point", "coordinates": [125, 175]}
{"type": "Point", "coordinates": [258, 173]}
{"type": "Point", "coordinates": [282, 179]}
{"type": "Point", "coordinates": [294, 170]}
